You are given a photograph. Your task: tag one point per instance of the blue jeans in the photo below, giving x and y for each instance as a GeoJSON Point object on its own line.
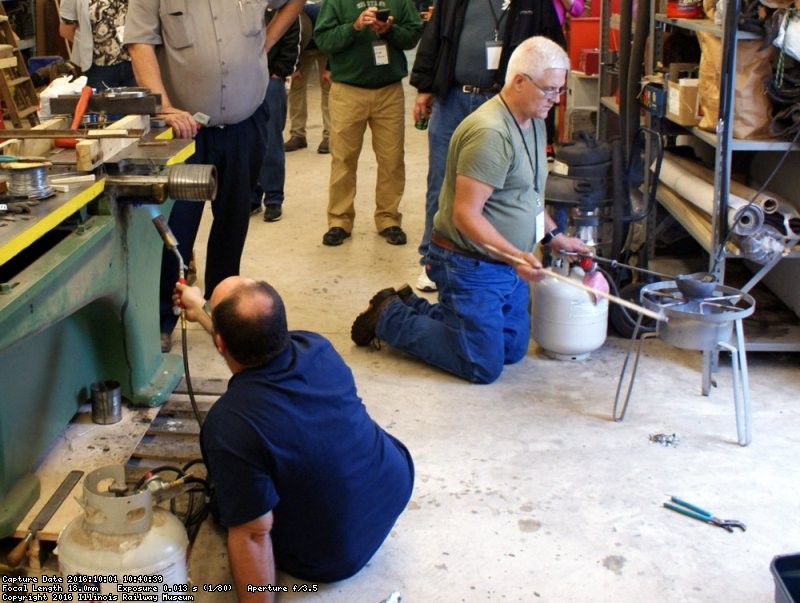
{"type": "Point", "coordinates": [273, 169]}
{"type": "Point", "coordinates": [480, 323]}
{"type": "Point", "coordinates": [101, 77]}
{"type": "Point", "coordinates": [236, 151]}
{"type": "Point", "coordinates": [445, 117]}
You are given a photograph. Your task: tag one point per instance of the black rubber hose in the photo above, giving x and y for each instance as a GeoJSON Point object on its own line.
{"type": "Point", "coordinates": [621, 201]}
{"type": "Point", "coordinates": [625, 22]}
{"type": "Point", "coordinates": [189, 388]}
{"type": "Point", "coordinates": [635, 71]}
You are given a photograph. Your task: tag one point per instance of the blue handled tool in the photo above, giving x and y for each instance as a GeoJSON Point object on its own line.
{"type": "Point", "coordinates": [690, 510]}
{"type": "Point", "coordinates": [13, 158]}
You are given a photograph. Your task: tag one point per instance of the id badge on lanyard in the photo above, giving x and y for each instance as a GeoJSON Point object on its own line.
{"type": "Point", "coordinates": [539, 234]}
{"type": "Point", "coordinates": [381, 51]}
{"type": "Point", "coordinates": [539, 221]}
{"type": "Point", "coordinates": [493, 51]}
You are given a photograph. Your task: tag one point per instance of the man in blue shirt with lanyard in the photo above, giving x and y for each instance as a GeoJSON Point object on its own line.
{"type": "Point", "coordinates": [492, 195]}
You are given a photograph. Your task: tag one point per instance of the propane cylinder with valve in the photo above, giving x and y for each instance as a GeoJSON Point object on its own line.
{"type": "Point", "coordinates": [568, 323]}
{"type": "Point", "coordinates": [122, 538]}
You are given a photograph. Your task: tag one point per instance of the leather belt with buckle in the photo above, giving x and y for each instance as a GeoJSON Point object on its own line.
{"type": "Point", "coordinates": [470, 89]}
{"type": "Point", "coordinates": [446, 243]}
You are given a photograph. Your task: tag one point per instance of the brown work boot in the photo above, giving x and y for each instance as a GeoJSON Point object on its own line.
{"type": "Point", "coordinates": [405, 293]}
{"type": "Point", "coordinates": [363, 330]}
{"type": "Point", "coordinates": [294, 143]}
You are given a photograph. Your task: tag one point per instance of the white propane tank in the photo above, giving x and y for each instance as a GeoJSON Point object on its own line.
{"type": "Point", "coordinates": [567, 324]}
{"type": "Point", "coordinates": [122, 540]}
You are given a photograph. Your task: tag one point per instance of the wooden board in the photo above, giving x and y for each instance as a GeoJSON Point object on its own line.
{"type": "Point", "coordinates": [169, 425]}
{"type": "Point", "coordinates": [86, 446]}
{"type": "Point", "coordinates": [91, 153]}
{"type": "Point", "coordinates": [210, 387]}
{"type": "Point", "coordinates": [144, 439]}
{"type": "Point", "coordinates": [171, 447]}
{"type": "Point", "coordinates": [42, 146]}
{"type": "Point", "coordinates": [173, 436]}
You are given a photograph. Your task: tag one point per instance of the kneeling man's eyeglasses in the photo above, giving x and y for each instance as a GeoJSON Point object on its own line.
{"type": "Point", "coordinates": [550, 92]}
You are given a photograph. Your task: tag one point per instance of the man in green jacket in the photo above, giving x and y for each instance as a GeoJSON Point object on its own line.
{"type": "Point", "coordinates": [365, 44]}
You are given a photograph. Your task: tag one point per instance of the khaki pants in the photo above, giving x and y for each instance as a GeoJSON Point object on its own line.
{"type": "Point", "coordinates": [352, 109]}
{"type": "Point", "coordinates": [298, 107]}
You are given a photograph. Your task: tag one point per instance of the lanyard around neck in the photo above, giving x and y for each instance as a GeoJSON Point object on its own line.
{"type": "Point", "coordinates": [497, 22]}
{"type": "Point", "coordinates": [534, 165]}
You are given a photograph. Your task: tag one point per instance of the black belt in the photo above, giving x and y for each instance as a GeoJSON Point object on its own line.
{"type": "Point", "coordinates": [446, 243]}
{"type": "Point", "coordinates": [470, 89]}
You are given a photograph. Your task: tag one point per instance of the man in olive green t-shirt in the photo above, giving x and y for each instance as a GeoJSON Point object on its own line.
{"type": "Point", "coordinates": [492, 195]}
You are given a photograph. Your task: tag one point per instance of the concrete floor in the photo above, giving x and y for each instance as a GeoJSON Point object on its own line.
{"type": "Point", "coordinates": [526, 489]}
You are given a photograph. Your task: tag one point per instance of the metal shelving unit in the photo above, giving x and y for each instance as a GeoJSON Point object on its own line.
{"type": "Point", "coordinates": [721, 141]}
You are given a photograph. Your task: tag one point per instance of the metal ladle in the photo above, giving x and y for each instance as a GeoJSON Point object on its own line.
{"type": "Point", "coordinates": [493, 251]}
{"type": "Point", "coordinates": [697, 285]}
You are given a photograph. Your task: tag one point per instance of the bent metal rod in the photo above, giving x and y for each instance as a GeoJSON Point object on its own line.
{"type": "Point", "coordinates": [660, 316]}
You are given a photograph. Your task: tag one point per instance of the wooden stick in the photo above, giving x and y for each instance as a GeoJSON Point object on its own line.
{"type": "Point", "coordinates": [107, 133]}
{"type": "Point", "coordinates": [618, 300]}
{"type": "Point", "coordinates": [622, 302]}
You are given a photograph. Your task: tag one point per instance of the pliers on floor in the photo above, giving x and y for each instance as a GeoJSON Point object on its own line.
{"type": "Point", "coordinates": [690, 510]}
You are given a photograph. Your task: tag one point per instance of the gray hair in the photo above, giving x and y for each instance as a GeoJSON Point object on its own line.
{"type": "Point", "coordinates": [536, 55]}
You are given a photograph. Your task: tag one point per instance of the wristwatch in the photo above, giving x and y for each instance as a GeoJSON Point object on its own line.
{"type": "Point", "coordinates": [551, 235]}
{"type": "Point", "coordinates": [68, 21]}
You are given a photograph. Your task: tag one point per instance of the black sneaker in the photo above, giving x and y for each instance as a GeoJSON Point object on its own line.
{"type": "Point", "coordinates": [363, 330]}
{"type": "Point", "coordinates": [335, 236]}
{"type": "Point", "coordinates": [324, 148]}
{"type": "Point", "coordinates": [394, 235]}
{"type": "Point", "coordinates": [272, 212]}
{"type": "Point", "coordinates": [255, 203]}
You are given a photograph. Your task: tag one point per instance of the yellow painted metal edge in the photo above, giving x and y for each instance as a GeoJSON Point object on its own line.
{"type": "Point", "coordinates": [50, 221]}
{"type": "Point", "coordinates": [181, 156]}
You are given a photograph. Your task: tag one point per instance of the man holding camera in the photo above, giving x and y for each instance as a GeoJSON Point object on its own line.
{"type": "Point", "coordinates": [365, 54]}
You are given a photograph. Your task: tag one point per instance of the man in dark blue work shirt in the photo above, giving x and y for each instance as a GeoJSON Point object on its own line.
{"type": "Point", "coordinates": [304, 478]}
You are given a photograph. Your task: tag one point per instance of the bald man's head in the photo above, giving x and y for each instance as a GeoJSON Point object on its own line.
{"type": "Point", "coordinates": [250, 318]}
